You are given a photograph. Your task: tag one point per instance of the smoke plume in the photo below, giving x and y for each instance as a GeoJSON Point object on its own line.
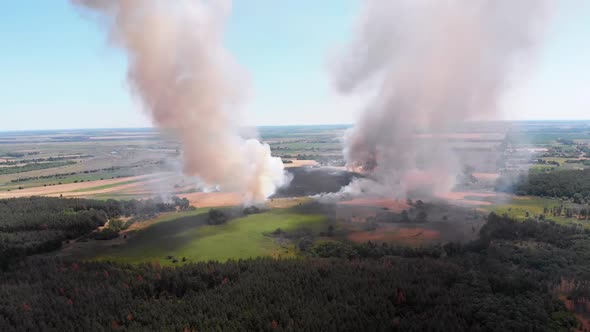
{"type": "Point", "coordinates": [188, 82]}
{"type": "Point", "coordinates": [429, 65]}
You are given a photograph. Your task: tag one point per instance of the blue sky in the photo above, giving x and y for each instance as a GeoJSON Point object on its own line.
{"type": "Point", "coordinates": [56, 70]}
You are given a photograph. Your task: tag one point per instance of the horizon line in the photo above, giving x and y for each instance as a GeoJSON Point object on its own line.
{"type": "Point", "coordinates": [270, 125]}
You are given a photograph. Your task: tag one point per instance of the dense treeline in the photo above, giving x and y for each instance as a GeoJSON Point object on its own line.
{"type": "Point", "coordinates": [564, 250]}
{"type": "Point", "coordinates": [34, 167]}
{"type": "Point", "coordinates": [37, 160]}
{"type": "Point", "coordinates": [502, 282]}
{"type": "Point", "coordinates": [61, 175]}
{"type": "Point", "coordinates": [566, 183]}
{"type": "Point", "coordinates": [40, 224]}
{"type": "Point", "coordinates": [403, 294]}
{"type": "Point", "coordinates": [21, 154]}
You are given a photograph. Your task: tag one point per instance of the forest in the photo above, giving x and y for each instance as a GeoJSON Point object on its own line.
{"type": "Point", "coordinates": [40, 224]}
{"type": "Point", "coordinates": [570, 184]}
{"type": "Point", "coordinates": [506, 280]}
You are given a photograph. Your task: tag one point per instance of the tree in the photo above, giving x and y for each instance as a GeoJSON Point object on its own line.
{"type": "Point", "coordinates": [251, 210]}
{"type": "Point", "coordinates": [217, 217]}
{"type": "Point", "coordinates": [405, 217]}
{"type": "Point", "coordinates": [422, 216]}
{"type": "Point", "coordinates": [420, 204]}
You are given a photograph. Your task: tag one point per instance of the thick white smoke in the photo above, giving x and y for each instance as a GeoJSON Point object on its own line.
{"type": "Point", "coordinates": [430, 65]}
{"type": "Point", "coordinates": [188, 82]}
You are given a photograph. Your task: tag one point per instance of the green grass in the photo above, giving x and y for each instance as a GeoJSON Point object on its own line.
{"type": "Point", "coordinates": [190, 236]}
{"type": "Point", "coordinates": [558, 159]}
{"type": "Point", "coordinates": [541, 168]}
{"type": "Point", "coordinates": [546, 136]}
{"type": "Point", "coordinates": [244, 237]}
{"type": "Point", "coordinates": [519, 206]}
{"type": "Point", "coordinates": [563, 165]}
{"type": "Point", "coordinates": [172, 216]}
{"type": "Point", "coordinates": [563, 161]}
{"type": "Point", "coordinates": [104, 175]}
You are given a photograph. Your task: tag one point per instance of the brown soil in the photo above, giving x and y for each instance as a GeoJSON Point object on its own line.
{"type": "Point", "coordinates": [460, 197]}
{"type": "Point", "coordinates": [136, 226]}
{"type": "Point", "coordinates": [150, 187]}
{"type": "Point", "coordinates": [486, 176]}
{"type": "Point", "coordinates": [118, 189]}
{"type": "Point", "coordinates": [300, 163]}
{"type": "Point", "coordinates": [582, 318]}
{"type": "Point", "coordinates": [284, 203]}
{"type": "Point", "coordinates": [214, 199]}
{"type": "Point", "coordinates": [391, 204]}
{"type": "Point", "coordinates": [392, 234]}
{"type": "Point", "coordinates": [471, 202]}
{"type": "Point", "coordinates": [66, 189]}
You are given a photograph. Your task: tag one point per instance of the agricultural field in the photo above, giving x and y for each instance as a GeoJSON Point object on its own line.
{"type": "Point", "coordinates": [138, 210]}
{"type": "Point", "coordinates": [141, 164]}
{"type": "Point", "coordinates": [53, 158]}
{"type": "Point", "coordinates": [320, 143]}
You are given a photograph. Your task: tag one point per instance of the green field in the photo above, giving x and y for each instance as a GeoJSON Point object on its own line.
{"type": "Point", "coordinates": [518, 207]}
{"type": "Point", "coordinates": [82, 177]}
{"type": "Point", "coordinates": [188, 235]}
{"type": "Point", "coordinates": [550, 133]}
{"type": "Point", "coordinates": [542, 168]}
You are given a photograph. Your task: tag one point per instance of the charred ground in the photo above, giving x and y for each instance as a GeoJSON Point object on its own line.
{"type": "Point", "coordinates": [309, 181]}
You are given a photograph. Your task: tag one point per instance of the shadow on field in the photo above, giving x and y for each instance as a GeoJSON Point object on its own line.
{"type": "Point", "coordinates": [157, 240]}
{"type": "Point", "coordinates": [168, 235]}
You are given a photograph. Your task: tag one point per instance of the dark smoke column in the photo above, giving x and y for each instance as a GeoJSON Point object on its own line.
{"type": "Point", "coordinates": [189, 83]}
{"type": "Point", "coordinates": [428, 65]}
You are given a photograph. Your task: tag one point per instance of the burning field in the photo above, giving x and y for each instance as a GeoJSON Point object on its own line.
{"type": "Point", "coordinates": [308, 181]}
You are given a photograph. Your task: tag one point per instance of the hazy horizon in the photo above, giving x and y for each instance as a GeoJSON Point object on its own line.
{"type": "Point", "coordinates": [349, 125]}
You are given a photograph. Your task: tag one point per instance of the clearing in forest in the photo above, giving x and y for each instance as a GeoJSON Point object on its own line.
{"type": "Point", "coordinates": [192, 237]}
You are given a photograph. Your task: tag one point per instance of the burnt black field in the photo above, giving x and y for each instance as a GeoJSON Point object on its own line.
{"type": "Point", "coordinates": [308, 181]}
